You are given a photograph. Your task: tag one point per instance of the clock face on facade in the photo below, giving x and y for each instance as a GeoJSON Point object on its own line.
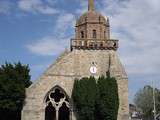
{"type": "Point", "coordinates": [93, 69]}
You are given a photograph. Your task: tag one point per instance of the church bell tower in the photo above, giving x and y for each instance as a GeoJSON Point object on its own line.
{"type": "Point", "coordinates": [93, 31]}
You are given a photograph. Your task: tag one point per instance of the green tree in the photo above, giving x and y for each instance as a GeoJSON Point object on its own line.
{"type": "Point", "coordinates": [108, 102]}
{"type": "Point", "coordinates": [144, 101]}
{"type": "Point", "coordinates": [96, 101]}
{"type": "Point", "coordinates": [13, 81]}
{"type": "Point", "coordinates": [84, 96]}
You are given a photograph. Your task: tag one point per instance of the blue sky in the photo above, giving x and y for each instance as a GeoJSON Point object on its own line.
{"type": "Point", "coordinates": [35, 32]}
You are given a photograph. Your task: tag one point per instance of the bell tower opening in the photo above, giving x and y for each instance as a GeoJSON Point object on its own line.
{"type": "Point", "coordinates": [82, 34]}
{"type": "Point", "coordinates": [94, 34]}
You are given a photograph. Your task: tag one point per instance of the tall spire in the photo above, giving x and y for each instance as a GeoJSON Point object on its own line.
{"type": "Point", "coordinates": [90, 5]}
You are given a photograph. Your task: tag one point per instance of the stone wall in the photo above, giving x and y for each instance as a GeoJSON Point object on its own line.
{"type": "Point", "coordinates": [71, 65]}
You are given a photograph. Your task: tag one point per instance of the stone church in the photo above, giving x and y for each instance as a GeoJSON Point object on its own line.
{"type": "Point", "coordinates": [92, 53]}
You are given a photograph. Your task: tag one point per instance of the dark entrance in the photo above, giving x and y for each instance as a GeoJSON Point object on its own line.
{"type": "Point", "coordinates": [64, 112]}
{"type": "Point", "coordinates": [50, 112]}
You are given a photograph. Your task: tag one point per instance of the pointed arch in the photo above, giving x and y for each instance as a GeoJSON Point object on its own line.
{"type": "Point", "coordinates": [58, 104]}
{"type": "Point", "coordinates": [53, 89]}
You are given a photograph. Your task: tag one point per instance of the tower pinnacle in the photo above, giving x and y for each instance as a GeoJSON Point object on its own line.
{"type": "Point", "coordinates": [90, 5]}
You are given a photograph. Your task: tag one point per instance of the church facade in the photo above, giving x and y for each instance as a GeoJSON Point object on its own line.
{"type": "Point", "coordinates": [92, 53]}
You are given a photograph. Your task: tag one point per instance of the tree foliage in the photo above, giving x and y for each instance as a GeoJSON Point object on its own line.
{"type": "Point", "coordinates": [144, 101]}
{"type": "Point", "coordinates": [96, 99]}
{"type": "Point", "coordinates": [108, 101]}
{"type": "Point", "coordinates": [13, 81]}
{"type": "Point", "coordinates": [84, 94]}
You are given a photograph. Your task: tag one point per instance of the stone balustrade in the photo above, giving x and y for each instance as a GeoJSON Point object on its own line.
{"type": "Point", "coordinates": [94, 44]}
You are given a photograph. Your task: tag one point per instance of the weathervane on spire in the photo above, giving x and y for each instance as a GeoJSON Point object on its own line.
{"type": "Point", "coordinates": [90, 5]}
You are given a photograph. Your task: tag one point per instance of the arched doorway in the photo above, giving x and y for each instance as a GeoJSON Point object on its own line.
{"type": "Point", "coordinates": [57, 105]}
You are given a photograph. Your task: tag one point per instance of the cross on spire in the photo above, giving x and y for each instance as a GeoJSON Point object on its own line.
{"type": "Point", "coordinates": [90, 5]}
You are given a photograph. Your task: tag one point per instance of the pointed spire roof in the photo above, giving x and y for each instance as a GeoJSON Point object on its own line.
{"type": "Point", "coordinates": [91, 5]}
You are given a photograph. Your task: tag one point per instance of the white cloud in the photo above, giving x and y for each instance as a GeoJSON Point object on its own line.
{"type": "Point", "coordinates": [47, 46]}
{"type": "Point", "coordinates": [5, 7]}
{"type": "Point", "coordinates": [36, 6]}
{"type": "Point", "coordinates": [65, 20]}
{"type": "Point", "coordinates": [63, 23]}
{"type": "Point", "coordinates": [83, 7]}
{"type": "Point", "coordinates": [56, 43]}
{"type": "Point", "coordinates": [137, 24]}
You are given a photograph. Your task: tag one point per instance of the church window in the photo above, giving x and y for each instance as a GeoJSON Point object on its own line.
{"type": "Point", "coordinates": [82, 34]}
{"type": "Point", "coordinates": [94, 34]}
{"type": "Point", "coordinates": [57, 105]}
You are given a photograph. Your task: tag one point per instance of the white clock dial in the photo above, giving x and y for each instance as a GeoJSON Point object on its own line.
{"type": "Point", "coordinates": [93, 69]}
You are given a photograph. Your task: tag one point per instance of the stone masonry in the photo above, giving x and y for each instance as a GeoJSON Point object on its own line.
{"type": "Point", "coordinates": [71, 65]}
